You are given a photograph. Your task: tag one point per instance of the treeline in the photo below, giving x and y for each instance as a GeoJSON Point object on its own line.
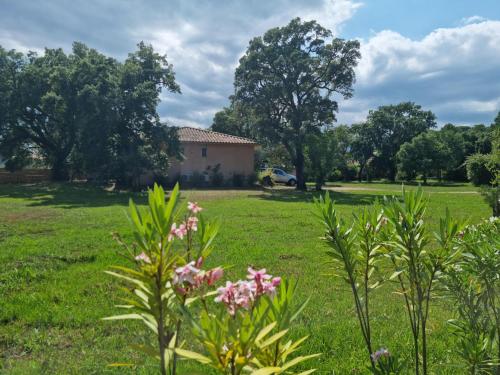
{"type": "Point", "coordinates": [396, 142]}
{"type": "Point", "coordinates": [86, 114]}
{"type": "Point", "coordinates": [284, 96]}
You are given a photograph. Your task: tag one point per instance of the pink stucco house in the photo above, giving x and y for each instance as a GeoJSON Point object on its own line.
{"type": "Point", "coordinates": [205, 149]}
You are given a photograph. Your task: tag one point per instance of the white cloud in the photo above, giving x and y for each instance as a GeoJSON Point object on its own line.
{"type": "Point", "coordinates": [333, 13]}
{"type": "Point", "coordinates": [451, 71]}
{"type": "Point", "coordinates": [205, 50]}
{"type": "Point", "coordinates": [472, 19]}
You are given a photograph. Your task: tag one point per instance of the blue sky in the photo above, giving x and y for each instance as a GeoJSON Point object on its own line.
{"type": "Point", "coordinates": [442, 54]}
{"type": "Point", "coordinates": [416, 18]}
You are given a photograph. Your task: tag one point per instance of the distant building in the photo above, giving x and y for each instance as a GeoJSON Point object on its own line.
{"type": "Point", "coordinates": [205, 150]}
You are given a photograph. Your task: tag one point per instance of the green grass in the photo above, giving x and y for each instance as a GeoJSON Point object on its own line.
{"type": "Point", "coordinates": [55, 243]}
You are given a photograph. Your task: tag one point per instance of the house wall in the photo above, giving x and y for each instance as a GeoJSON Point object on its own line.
{"type": "Point", "coordinates": [233, 159]}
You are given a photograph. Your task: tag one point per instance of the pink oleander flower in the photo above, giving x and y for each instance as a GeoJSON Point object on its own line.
{"type": "Point", "coordinates": [186, 274]}
{"type": "Point", "coordinates": [236, 295]}
{"type": "Point", "coordinates": [213, 276]}
{"type": "Point", "coordinates": [258, 276]}
{"type": "Point", "coordinates": [194, 208]}
{"type": "Point", "coordinates": [199, 279]}
{"type": "Point", "coordinates": [181, 231]}
{"type": "Point", "coordinates": [226, 294]}
{"type": "Point", "coordinates": [380, 353]}
{"type": "Point", "coordinates": [245, 294]}
{"type": "Point", "coordinates": [172, 234]}
{"type": "Point", "coordinates": [199, 262]}
{"type": "Point", "coordinates": [178, 232]}
{"type": "Point", "coordinates": [143, 257]}
{"type": "Point", "coordinates": [270, 287]}
{"type": "Point", "coordinates": [192, 223]}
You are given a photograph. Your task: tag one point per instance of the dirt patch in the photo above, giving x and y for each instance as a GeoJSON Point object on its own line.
{"type": "Point", "coordinates": [290, 257]}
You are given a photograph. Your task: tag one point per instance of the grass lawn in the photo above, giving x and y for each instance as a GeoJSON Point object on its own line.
{"type": "Point", "coordinates": [55, 243]}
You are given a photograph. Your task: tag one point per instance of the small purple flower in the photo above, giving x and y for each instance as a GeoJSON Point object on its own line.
{"type": "Point", "coordinates": [382, 352]}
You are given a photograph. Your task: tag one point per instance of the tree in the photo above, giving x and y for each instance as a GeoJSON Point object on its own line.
{"type": "Point", "coordinates": [11, 65]}
{"type": "Point", "coordinates": [96, 110]}
{"type": "Point", "coordinates": [141, 143]}
{"type": "Point", "coordinates": [481, 168]}
{"type": "Point", "coordinates": [363, 147]}
{"type": "Point", "coordinates": [42, 112]}
{"type": "Point", "coordinates": [86, 113]}
{"type": "Point", "coordinates": [235, 120]}
{"type": "Point", "coordinates": [340, 151]}
{"type": "Point", "coordinates": [425, 154]}
{"type": "Point", "coordinates": [319, 150]}
{"type": "Point", "coordinates": [394, 125]}
{"type": "Point", "coordinates": [496, 122]}
{"type": "Point", "coordinates": [288, 76]}
{"type": "Point", "coordinates": [453, 138]}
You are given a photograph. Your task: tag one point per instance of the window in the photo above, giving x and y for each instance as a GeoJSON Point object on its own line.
{"type": "Point", "coordinates": [203, 152]}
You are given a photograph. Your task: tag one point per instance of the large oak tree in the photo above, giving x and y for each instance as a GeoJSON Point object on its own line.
{"type": "Point", "coordinates": [86, 113]}
{"type": "Point", "coordinates": [289, 76]}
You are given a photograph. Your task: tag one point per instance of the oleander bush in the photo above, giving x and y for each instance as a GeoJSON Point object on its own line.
{"type": "Point", "coordinates": [246, 326]}
{"type": "Point", "coordinates": [168, 288]}
{"type": "Point", "coordinates": [473, 285]}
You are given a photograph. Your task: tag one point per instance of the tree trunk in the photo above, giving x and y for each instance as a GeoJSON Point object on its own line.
{"type": "Point", "coordinates": [299, 168]}
{"type": "Point", "coordinates": [392, 173]}
{"type": "Point", "coordinates": [60, 170]}
{"type": "Point", "coordinates": [319, 184]}
{"type": "Point", "coordinates": [360, 172]}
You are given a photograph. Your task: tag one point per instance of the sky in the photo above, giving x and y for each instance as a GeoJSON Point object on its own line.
{"type": "Point", "coordinates": [441, 54]}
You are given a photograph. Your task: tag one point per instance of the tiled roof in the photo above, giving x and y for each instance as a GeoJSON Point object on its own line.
{"type": "Point", "coordinates": [187, 134]}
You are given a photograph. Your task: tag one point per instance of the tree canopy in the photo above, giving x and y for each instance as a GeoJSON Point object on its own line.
{"type": "Point", "coordinates": [425, 154]}
{"type": "Point", "coordinates": [288, 76]}
{"type": "Point", "coordinates": [85, 112]}
{"type": "Point", "coordinates": [392, 126]}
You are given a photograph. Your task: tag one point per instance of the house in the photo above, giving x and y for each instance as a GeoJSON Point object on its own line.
{"type": "Point", "coordinates": [207, 151]}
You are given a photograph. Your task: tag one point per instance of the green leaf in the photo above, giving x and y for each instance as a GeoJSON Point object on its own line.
{"type": "Point", "coordinates": [123, 317]}
{"type": "Point", "coordinates": [273, 338]}
{"type": "Point", "coordinates": [121, 365]}
{"type": "Point", "coordinates": [130, 279]}
{"type": "Point", "coordinates": [307, 372]}
{"type": "Point", "coordinates": [193, 355]}
{"type": "Point", "coordinates": [298, 360]}
{"type": "Point", "coordinates": [267, 371]}
{"type": "Point", "coordinates": [265, 331]}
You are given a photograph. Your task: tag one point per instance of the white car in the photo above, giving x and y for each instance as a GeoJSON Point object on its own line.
{"type": "Point", "coordinates": [280, 176]}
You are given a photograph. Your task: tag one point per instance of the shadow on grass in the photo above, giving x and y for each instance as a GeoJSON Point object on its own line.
{"type": "Point", "coordinates": [433, 183]}
{"type": "Point", "coordinates": [68, 195]}
{"type": "Point", "coordinates": [83, 195]}
{"type": "Point", "coordinates": [345, 198]}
